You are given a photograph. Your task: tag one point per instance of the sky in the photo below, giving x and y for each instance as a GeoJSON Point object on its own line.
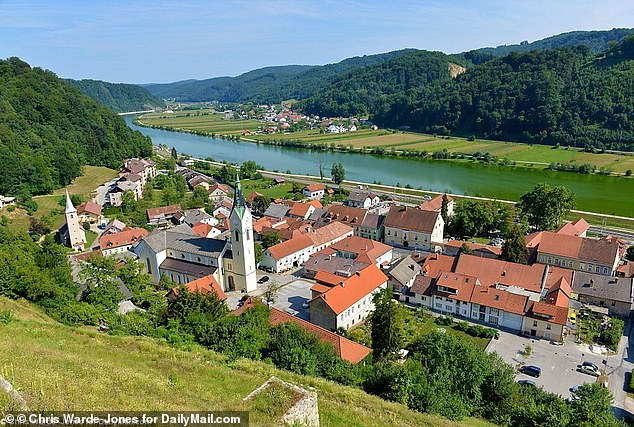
{"type": "Point", "coordinates": [164, 41]}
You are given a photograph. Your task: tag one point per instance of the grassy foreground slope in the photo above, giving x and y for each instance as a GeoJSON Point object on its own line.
{"type": "Point", "coordinates": [56, 367]}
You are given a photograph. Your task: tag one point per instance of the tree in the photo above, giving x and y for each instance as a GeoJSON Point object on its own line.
{"type": "Point", "coordinates": [592, 406]}
{"type": "Point", "coordinates": [248, 169]}
{"type": "Point", "coordinates": [270, 295]}
{"type": "Point", "coordinates": [444, 208]}
{"type": "Point", "coordinates": [387, 326]}
{"type": "Point", "coordinates": [257, 248]}
{"type": "Point", "coordinates": [338, 173]}
{"type": "Point", "coordinates": [174, 154]}
{"type": "Point", "coordinates": [465, 249]}
{"type": "Point", "coordinates": [129, 203]}
{"type": "Point", "coordinates": [200, 197]}
{"type": "Point", "coordinates": [514, 247]}
{"type": "Point", "coordinates": [260, 204]}
{"type": "Point", "coordinates": [545, 206]}
{"type": "Point", "coordinates": [474, 218]}
{"type": "Point", "coordinates": [271, 239]}
{"type": "Point", "coordinates": [629, 254]}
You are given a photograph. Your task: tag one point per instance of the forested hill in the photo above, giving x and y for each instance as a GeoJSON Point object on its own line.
{"type": "Point", "coordinates": [564, 96]}
{"type": "Point", "coordinates": [120, 97]}
{"type": "Point", "coordinates": [48, 130]}
{"type": "Point", "coordinates": [368, 90]}
{"type": "Point", "coordinates": [265, 85]}
{"type": "Point", "coordinates": [596, 41]}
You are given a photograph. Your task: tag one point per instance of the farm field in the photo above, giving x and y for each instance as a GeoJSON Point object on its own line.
{"type": "Point", "coordinates": [540, 155]}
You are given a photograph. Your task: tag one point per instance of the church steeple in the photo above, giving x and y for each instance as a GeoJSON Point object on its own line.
{"type": "Point", "coordinates": [69, 204]}
{"type": "Point", "coordinates": [239, 205]}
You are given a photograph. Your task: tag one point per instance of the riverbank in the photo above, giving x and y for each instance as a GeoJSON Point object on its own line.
{"type": "Point", "coordinates": [605, 221]}
{"type": "Point", "coordinates": [391, 143]}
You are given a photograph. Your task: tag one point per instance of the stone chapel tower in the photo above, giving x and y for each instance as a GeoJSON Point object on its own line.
{"type": "Point", "coordinates": [76, 234]}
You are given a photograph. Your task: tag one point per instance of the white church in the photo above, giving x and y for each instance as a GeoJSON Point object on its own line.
{"type": "Point", "coordinates": [72, 233]}
{"type": "Point", "coordinates": [183, 256]}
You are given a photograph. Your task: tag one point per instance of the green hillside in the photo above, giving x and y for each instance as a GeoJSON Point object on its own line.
{"type": "Point", "coordinates": [596, 41]}
{"type": "Point", "coordinates": [266, 85]}
{"type": "Point", "coordinates": [48, 130]}
{"type": "Point", "coordinates": [67, 368]}
{"type": "Point", "coordinates": [119, 97]}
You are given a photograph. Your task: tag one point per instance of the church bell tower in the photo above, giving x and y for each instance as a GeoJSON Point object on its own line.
{"type": "Point", "coordinates": [242, 273]}
{"type": "Point", "coordinates": [76, 234]}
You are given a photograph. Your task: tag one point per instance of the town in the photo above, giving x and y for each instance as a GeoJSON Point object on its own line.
{"type": "Point", "coordinates": [319, 259]}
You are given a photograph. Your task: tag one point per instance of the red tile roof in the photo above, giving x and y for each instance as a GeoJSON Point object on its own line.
{"type": "Point", "coordinates": [204, 285]}
{"type": "Point", "coordinates": [434, 205]}
{"type": "Point", "coordinates": [291, 246]}
{"type": "Point", "coordinates": [339, 298]}
{"type": "Point", "coordinates": [435, 263]}
{"type": "Point", "coordinates": [330, 232]}
{"type": "Point", "coordinates": [346, 349]}
{"type": "Point", "coordinates": [575, 228]}
{"type": "Point", "coordinates": [217, 186]}
{"type": "Point", "coordinates": [475, 246]}
{"type": "Point", "coordinates": [461, 283]}
{"type": "Point", "coordinates": [315, 187]}
{"type": "Point", "coordinates": [361, 245]}
{"type": "Point", "coordinates": [548, 312]}
{"type": "Point", "coordinates": [89, 207]}
{"type": "Point", "coordinates": [604, 251]}
{"type": "Point", "coordinates": [122, 238]}
{"type": "Point", "coordinates": [163, 211]}
{"type": "Point", "coordinates": [301, 209]}
{"type": "Point", "coordinates": [202, 229]}
{"type": "Point", "coordinates": [493, 272]}
{"type": "Point", "coordinates": [253, 195]}
{"type": "Point", "coordinates": [500, 299]}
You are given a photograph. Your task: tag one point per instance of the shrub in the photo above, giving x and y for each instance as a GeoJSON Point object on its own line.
{"type": "Point", "coordinates": [6, 316]}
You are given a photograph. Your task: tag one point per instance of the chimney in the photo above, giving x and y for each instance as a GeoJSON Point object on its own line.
{"type": "Point", "coordinates": [358, 273]}
{"type": "Point", "coordinates": [343, 285]}
{"type": "Point", "coordinates": [504, 273]}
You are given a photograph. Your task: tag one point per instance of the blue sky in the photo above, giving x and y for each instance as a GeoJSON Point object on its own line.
{"type": "Point", "coordinates": [160, 41]}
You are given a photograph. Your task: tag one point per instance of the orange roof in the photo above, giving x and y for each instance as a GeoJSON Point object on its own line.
{"type": "Point", "coordinates": [291, 246]}
{"type": "Point", "coordinates": [493, 272]}
{"type": "Point", "coordinates": [575, 228]}
{"type": "Point", "coordinates": [329, 232]}
{"type": "Point", "coordinates": [361, 245]}
{"type": "Point", "coordinates": [462, 284]}
{"type": "Point", "coordinates": [204, 285]}
{"type": "Point", "coordinates": [435, 263]}
{"type": "Point", "coordinates": [122, 238]}
{"type": "Point", "coordinates": [604, 251]}
{"type": "Point", "coordinates": [89, 207]}
{"type": "Point", "coordinates": [328, 278]}
{"type": "Point", "coordinates": [345, 214]}
{"type": "Point", "coordinates": [434, 205]}
{"type": "Point", "coordinates": [411, 219]}
{"type": "Point", "coordinates": [339, 298]}
{"type": "Point", "coordinates": [300, 209]}
{"type": "Point", "coordinates": [316, 203]}
{"type": "Point", "coordinates": [555, 274]}
{"type": "Point", "coordinates": [217, 186]}
{"type": "Point", "coordinates": [548, 312]}
{"type": "Point", "coordinates": [315, 187]}
{"type": "Point", "coordinates": [498, 298]}
{"type": "Point", "coordinates": [202, 229]}
{"type": "Point", "coordinates": [346, 349]}
{"type": "Point", "coordinates": [319, 288]}
{"type": "Point", "coordinates": [253, 195]}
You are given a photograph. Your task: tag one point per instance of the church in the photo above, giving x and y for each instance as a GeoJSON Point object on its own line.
{"type": "Point", "coordinates": [72, 233]}
{"type": "Point", "coordinates": [183, 256]}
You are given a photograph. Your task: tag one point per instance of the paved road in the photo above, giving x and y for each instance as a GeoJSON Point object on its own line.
{"type": "Point", "coordinates": [620, 374]}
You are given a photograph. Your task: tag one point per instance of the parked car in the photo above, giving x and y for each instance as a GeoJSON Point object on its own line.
{"type": "Point", "coordinates": [531, 370]}
{"type": "Point", "coordinates": [263, 279]}
{"type": "Point", "coordinates": [527, 383]}
{"type": "Point", "coordinates": [574, 389]}
{"type": "Point", "coordinates": [586, 363]}
{"type": "Point", "coordinates": [590, 370]}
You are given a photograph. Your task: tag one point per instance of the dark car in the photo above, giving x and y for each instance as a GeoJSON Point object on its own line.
{"type": "Point", "coordinates": [527, 383]}
{"type": "Point", "coordinates": [592, 365]}
{"type": "Point", "coordinates": [531, 370]}
{"type": "Point", "coordinates": [263, 279]}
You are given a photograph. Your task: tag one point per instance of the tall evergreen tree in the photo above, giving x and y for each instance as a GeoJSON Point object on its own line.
{"type": "Point", "coordinates": [387, 326]}
{"type": "Point", "coordinates": [514, 247]}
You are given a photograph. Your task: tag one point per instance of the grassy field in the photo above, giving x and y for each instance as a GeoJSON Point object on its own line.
{"type": "Point", "coordinates": [49, 205]}
{"type": "Point", "coordinates": [64, 368]}
{"type": "Point", "coordinates": [417, 325]}
{"type": "Point", "coordinates": [539, 154]}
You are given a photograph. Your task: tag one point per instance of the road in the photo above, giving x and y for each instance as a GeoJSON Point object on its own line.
{"type": "Point", "coordinates": [619, 376]}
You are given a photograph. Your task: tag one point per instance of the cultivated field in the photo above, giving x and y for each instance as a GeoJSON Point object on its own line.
{"type": "Point", "coordinates": [538, 155]}
{"type": "Point", "coordinates": [73, 369]}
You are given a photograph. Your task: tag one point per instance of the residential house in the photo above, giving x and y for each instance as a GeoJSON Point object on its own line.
{"type": "Point", "coordinates": [144, 168]}
{"type": "Point", "coordinates": [278, 180]}
{"type": "Point", "coordinates": [218, 192]}
{"type": "Point", "coordinates": [204, 285]}
{"type": "Point", "coordinates": [114, 196]}
{"type": "Point", "coordinates": [577, 228]}
{"type": "Point", "coordinates": [165, 215]}
{"type": "Point", "coordinates": [194, 216]}
{"type": "Point", "coordinates": [600, 256]}
{"type": "Point", "coordinates": [6, 201]}
{"type": "Point", "coordinates": [401, 276]}
{"type": "Point", "coordinates": [615, 293]}
{"type": "Point", "coordinates": [362, 199]}
{"type": "Point", "coordinates": [314, 191]}
{"type": "Point", "coordinates": [301, 210]}
{"type": "Point", "coordinates": [408, 227]}
{"type": "Point", "coordinates": [345, 302]}
{"type": "Point", "coordinates": [89, 212]}
{"type": "Point", "coordinates": [364, 223]}
{"type": "Point", "coordinates": [435, 205]}
{"type": "Point", "coordinates": [114, 226]}
{"type": "Point", "coordinates": [251, 197]}
{"type": "Point", "coordinates": [325, 261]}
{"type": "Point", "coordinates": [365, 250]}
{"type": "Point", "coordinates": [276, 210]}
{"type": "Point", "coordinates": [204, 229]}
{"type": "Point", "coordinates": [123, 241]}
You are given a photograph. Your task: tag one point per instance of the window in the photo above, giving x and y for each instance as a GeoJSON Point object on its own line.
{"type": "Point", "coordinates": [534, 324]}
{"type": "Point", "coordinates": [605, 270]}
{"type": "Point", "coordinates": [598, 269]}
{"type": "Point", "coordinates": [237, 236]}
{"type": "Point", "coordinates": [582, 266]}
{"type": "Point", "coordinates": [183, 256]}
{"type": "Point", "coordinates": [548, 327]}
{"type": "Point", "coordinates": [556, 261]}
{"type": "Point", "coordinates": [542, 258]}
{"type": "Point", "coordinates": [589, 267]}
{"type": "Point", "coordinates": [570, 264]}
{"type": "Point", "coordinates": [550, 260]}
{"type": "Point", "coordinates": [149, 266]}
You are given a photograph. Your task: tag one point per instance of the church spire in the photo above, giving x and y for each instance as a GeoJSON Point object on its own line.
{"type": "Point", "coordinates": [239, 205]}
{"type": "Point", "coordinates": [69, 204]}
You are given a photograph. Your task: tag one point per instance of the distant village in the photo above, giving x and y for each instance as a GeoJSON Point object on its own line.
{"type": "Point", "coordinates": [337, 256]}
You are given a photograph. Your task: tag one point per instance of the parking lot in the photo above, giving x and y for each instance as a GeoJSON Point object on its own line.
{"type": "Point", "coordinates": [291, 297]}
{"type": "Point", "coordinates": [558, 363]}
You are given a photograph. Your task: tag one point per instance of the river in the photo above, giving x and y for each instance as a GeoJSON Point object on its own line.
{"type": "Point", "coordinates": [594, 193]}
